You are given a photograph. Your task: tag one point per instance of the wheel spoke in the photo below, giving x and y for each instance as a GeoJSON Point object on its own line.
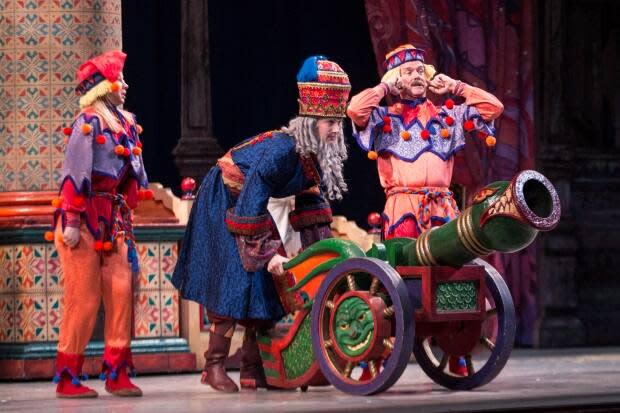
{"type": "Point", "coordinates": [351, 282]}
{"type": "Point", "coordinates": [470, 365]}
{"type": "Point", "coordinates": [374, 286]}
{"type": "Point", "coordinates": [387, 343]}
{"type": "Point", "coordinates": [328, 343]}
{"type": "Point", "coordinates": [443, 362]}
{"type": "Point", "coordinates": [491, 313]}
{"type": "Point", "coordinates": [373, 368]}
{"type": "Point", "coordinates": [348, 369]}
{"type": "Point", "coordinates": [329, 304]}
{"type": "Point", "coordinates": [487, 343]}
{"type": "Point", "coordinates": [389, 312]}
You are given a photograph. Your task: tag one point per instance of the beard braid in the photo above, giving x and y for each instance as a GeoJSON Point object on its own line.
{"type": "Point", "coordinates": [331, 156]}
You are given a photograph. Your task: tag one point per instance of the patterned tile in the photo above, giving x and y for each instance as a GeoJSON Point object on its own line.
{"type": "Point", "coordinates": [64, 65]}
{"type": "Point", "coordinates": [32, 102]}
{"type": "Point", "coordinates": [67, 5]}
{"type": "Point", "coordinates": [7, 318]}
{"type": "Point", "coordinates": [148, 253]}
{"type": "Point", "coordinates": [30, 268]}
{"type": "Point", "coordinates": [146, 310]}
{"type": "Point", "coordinates": [37, 5]}
{"type": "Point", "coordinates": [169, 252]}
{"type": "Point", "coordinates": [54, 279]}
{"type": "Point", "coordinates": [106, 6]}
{"type": "Point", "coordinates": [6, 65]}
{"type": "Point", "coordinates": [7, 104]}
{"type": "Point", "coordinates": [32, 29]}
{"type": "Point", "coordinates": [7, 141]}
{"type": "Point", "coordinates": [32, 139]}
{"type": "Point", "coordinates": [7, 6]}
{"type": "Point", "coordinates": [32, 66]}
{"type": "Point", "coordinates": [8, 174]}
{"type": "Point", "coordinates": [29, 181]}
{"type": "Point", "coordinates": [64, 103]}
{"type": "Point", "coordinates": [30, 317]}
{"type": "Point", "coordinates": [57, 140]}
{"type": "Point", "coordinates": [57, 163]}
{"type": "Point", "coordinates": [7, 269]}
{"type": "Point", "coordinates": [66, 29]}
{"type": "Point", "coordinates": [54, 315]}
{"type": "Point", "coordinates": [170, 313]}
{"type": "Point", "coordinates": [7, 30]}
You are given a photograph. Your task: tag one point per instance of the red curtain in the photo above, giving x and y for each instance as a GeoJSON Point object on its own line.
{"type": "Point", "coordinates": [489, 44]}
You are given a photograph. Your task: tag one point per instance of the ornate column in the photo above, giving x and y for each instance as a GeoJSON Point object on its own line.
{"type": "Point", "coordinates": [197, 149]}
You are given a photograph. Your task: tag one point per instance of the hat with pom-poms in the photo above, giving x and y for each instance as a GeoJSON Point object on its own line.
{"type": "Point", "coordinates": [98, 76]}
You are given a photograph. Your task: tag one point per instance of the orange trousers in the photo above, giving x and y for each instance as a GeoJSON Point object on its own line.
{"type": "Point", "coordinates": [89, 276]}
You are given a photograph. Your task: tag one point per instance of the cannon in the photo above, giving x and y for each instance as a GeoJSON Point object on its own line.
{"type": "Point", "coordinates": [357, 316]}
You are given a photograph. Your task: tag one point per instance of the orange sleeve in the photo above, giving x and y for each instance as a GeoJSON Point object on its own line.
{"type": "Point", "coordinates": [489, 106]}
{"type": "Point", "coordinates": [363, 103]}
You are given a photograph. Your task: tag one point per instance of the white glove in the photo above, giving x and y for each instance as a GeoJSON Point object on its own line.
{"type": "Point", "coordinates": [275, 264]}
{"type": "Point", "coordinates": [71, 236]}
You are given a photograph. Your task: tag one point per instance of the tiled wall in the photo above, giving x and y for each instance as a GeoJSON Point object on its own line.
{"type": "Point", "coordinates": [42, 43]}
{"type": "Point", "coordinates": [31, 286]}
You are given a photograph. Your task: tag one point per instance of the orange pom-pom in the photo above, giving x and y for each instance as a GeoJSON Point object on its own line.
{"type": "Point", "coordinates": [139, 129]}
{"type": "Point", "coordinates": [49, 236]}
{"type": "Point", "coordinates": [107, 246]}
{"type": "Point", "coordinates": [60, 238]}
{"type": "Point", "coordinates": [449, 103]}
{"type": "Point", "coordinates": [136, 151]}
{"type": "Point", "coordinates": [78, 201]}
{"type": "Point", "coordinates": [98, 245]}
{"type": "Point", "coordinates": [67, 130]}
{"type": "Point", "coordinates": [405, 135]}
{"type": "Point", "coordinates": [425, 134]}
{"type": "Point", "coordinates": [490, 140]}
{"type": "Point", "coordinates": [372, 155]}
{"type": "Point", "coordinates": [468, 125]}
{"type": "Point", "coordinates": [445, 133]}
{"type": "Point", "coordinates": [115, 87]}
{"type": "Point", "coordinates": [100, 139]}
{"type": "Point", "coordinates": [126, 152]}
{"type": "Point", "coordinates": [449, 120]}
{"type": "Point", "coordinates": [65, 141]}
{"type": "Point", "coordinates": [119, 150]}
{"type": "Point", "coordinates": [86, 129]}
{"type": "Point", "coordinates": [56, 202]}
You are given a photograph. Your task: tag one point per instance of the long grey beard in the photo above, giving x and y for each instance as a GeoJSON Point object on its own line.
{"type": "Point", "coordinates": [331, 156]}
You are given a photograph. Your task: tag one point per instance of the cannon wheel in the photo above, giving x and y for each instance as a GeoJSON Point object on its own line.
{"type": "Point", "coordinates": [389, 346]}
{"type": "Point", "coordinates": [495, 343]}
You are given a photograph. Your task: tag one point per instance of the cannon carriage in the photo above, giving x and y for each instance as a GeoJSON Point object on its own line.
{"type": "Point", "coordinates": [358, 316]}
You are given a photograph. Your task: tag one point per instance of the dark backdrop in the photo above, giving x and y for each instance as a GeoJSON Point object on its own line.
{"type": "Point", "coordinates": [256, 50]}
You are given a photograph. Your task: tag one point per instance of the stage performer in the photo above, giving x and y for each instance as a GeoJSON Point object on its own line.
{"type": "Point", "coordinates": [102, 176]}
{"type": "Point", "coordinates": [231, 243]}
{"type": "Point", "coordinates": [414, 141]}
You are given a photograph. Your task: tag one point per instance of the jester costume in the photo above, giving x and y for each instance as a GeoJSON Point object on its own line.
{"type": "Point", "coordinates": [414, 143]}
{"type": "Point", "coordinates": [102, 175]}
{"type": "Point", "coordinates": [230, 236]}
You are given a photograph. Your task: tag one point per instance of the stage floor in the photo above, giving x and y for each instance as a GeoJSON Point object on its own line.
{"type": "Point", "coordinates": [541, 380]}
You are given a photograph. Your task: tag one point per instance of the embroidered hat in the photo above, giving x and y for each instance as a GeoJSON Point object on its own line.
{"type": "Point", "coordinates": [98, 76]}
{"type": "Point", "coordinates": [323, 88]}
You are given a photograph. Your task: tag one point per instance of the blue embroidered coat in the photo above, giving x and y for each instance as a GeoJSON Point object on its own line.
{"type": "Point", "coordinates": [230, 212]}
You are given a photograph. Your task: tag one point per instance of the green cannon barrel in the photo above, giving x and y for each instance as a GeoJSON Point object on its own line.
{"type": "Point", "coordinates": [505, 217]}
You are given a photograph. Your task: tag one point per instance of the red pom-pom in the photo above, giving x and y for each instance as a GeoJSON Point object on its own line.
{"type": "Point", "coordinates": [107, 246]}
{"type": "Point", "coordinates": [374, 219]}
{"type": "Point", "coordinates": [98, 245]}
{"type": "Point", "coordinates": [449, 120]}
{"type": "Point", "coordinates": [468, 125]}
{"type": "Point", "coordinates": [126, 152]}
{"type": "Point", "coordinates": [387, 120]}
{"type": "Point", "coordinates": [449, 103]}
{"type": "Point", "coordinates": [188, 184]}
{"type": "Point", "coordinates": [148, 194]}
{"type": "Point", "coordinates": [425, 134]}
{"type": "Point", "coordinates": [387, 128]}
{"type": "Point", "coordinates": [100, 139]}
{"type": "Point", "coordinates": [66, 130]}
{"type": "Point", "coordinates": [481, 134]}
{"type": "Point", "coordinates": [119, 150]}
{"type": "Point", "coordinates": [139, 144]}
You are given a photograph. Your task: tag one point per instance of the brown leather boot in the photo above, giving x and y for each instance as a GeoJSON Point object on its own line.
{"type": "Point", "coordinates": [252, 372]}
{"type": "Point", "coordinates": [216, 355]}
